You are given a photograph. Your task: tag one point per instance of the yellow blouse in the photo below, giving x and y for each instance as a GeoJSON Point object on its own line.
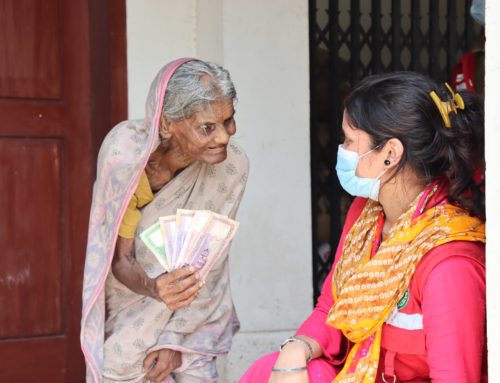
{"type": "Point", "coordinates": [142, 196]}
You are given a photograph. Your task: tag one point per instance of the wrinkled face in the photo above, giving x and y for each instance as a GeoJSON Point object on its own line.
{"type": "Point", "coordinates": [204, 136]}
{"type": "Point", "coordinates": [356, 140]}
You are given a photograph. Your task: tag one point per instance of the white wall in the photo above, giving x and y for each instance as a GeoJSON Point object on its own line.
{"type": "Point", "coordinates": [264, 44]}
{"type": "Point", "coordinates": [158, 31]}
{"type": "Point", "coordinates": [266, 50]}
{"type": "Point", "coordinates": [492, 126]}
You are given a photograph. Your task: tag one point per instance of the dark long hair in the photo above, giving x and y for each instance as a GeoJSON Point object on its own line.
{"type": "Point", "coordinates": [398, 105]}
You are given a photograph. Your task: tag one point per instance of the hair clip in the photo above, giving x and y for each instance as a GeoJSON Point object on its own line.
{"type": "Point", "coordinates": [446, 107]}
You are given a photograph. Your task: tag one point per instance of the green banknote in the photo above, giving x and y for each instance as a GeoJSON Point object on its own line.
{"type": "Point", "coordinates": [153, 239]}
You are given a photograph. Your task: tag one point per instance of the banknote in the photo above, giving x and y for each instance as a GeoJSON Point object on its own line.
{"type": "Point", "coordinates": [200, 221]}
{"type": "Point", "coordinates": [167, 225]}
{"type": "Point", "coordinates": [182, 226]}
{"type": "Point", "coordinates": [201, 255]}
{"type": "Point", "coordinates": [153, 239]}
{"type": "Point", "coordinates": [224, 247]}
{"type": "Point", "coordinates": [214, 242]}
{"type": "Point", "coordinates": [190, 237]}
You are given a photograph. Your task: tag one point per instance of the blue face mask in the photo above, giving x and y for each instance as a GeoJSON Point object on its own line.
{"type": "Point", "coordinates": [347, 162]}
{"type": "Point", "coordinates": [477, 11]}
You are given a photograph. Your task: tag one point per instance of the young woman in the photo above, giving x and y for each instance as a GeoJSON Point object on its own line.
{"type": "Point", "coordinates": [405, 300]}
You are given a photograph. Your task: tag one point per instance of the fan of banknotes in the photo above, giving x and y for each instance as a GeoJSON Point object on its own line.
{"type": "Point", "coordinates": [190, 238]}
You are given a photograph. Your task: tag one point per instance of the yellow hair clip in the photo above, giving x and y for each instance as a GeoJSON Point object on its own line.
{"type": "Point", "coordinates": [446, 107]}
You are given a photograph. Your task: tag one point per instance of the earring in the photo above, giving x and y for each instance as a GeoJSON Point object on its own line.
{"type": "Point", "coordinates": [387, 162]}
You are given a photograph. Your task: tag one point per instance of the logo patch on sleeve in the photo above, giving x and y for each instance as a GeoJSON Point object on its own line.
{"type": "Point", "coordinates": [404, 300]}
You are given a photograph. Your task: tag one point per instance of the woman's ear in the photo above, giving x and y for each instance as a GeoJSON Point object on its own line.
{"type": "Point", "coordinates": [393, 152]}
{"type": "Point", "coordinates": [165, 127]}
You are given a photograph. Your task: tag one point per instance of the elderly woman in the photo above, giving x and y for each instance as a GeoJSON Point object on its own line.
{"type": "Point", "coordinates": [139, 323]}
{"type": "Point", "coordinates": [405, 300]}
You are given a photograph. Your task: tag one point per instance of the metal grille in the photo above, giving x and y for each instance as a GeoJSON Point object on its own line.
{"type": "Point", "coordinates": [350, 39]}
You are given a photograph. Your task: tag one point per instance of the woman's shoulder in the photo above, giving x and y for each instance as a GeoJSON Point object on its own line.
{"type": "Point", "coordinates": [125, 135]}
{"type": "Point", "coordinates": [124, 144]}
{"type": "Point", "coordinates": [447, 258]}
{"type": "Point", "coordinates": [236, 157]}
{"type": "Point", "coordinates": [470, 251]}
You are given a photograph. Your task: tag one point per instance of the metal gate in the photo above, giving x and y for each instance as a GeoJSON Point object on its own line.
{"type": "Point", "coordinates": [350, 39]}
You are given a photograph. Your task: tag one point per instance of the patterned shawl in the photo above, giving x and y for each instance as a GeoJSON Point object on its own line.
{"type": "Point", "coordinates": [111, 312]}
{"type": "Point", "coordinates": [366, 289]}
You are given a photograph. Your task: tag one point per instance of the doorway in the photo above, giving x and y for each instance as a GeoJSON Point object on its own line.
{"type": "Point", "coordinates": [350, 39]}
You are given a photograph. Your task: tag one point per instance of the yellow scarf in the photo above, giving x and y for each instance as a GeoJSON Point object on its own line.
{"type": "Point", "coordinates": [366, 289]}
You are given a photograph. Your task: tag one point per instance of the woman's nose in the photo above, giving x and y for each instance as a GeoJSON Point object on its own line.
{"type": "Point", "coordinates": [221, 135]}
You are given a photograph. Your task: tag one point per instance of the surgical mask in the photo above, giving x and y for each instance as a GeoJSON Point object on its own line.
{"type": "Point", "coordinates": [347, 163]}
{"type": "Point", "coordinates": [477, 11]}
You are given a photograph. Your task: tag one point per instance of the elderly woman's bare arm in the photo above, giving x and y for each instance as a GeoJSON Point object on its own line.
{"type": "Point", "coordinates": [177, 288]}
{"type": "Point", "coordinates": [126, 269]}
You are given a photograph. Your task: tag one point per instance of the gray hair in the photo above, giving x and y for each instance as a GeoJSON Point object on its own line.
{"type": "Point", "coordinates": [195, 84]}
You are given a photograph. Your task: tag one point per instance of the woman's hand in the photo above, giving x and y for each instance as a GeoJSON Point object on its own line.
{"type": "Point", "coordinates": [159, 364]}
{"type": "Point", "coordinates": [178, 288]}
{"type": "Point", "coordinates": [293, 355]}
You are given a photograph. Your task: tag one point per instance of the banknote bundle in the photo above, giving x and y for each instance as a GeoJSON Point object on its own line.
{"type": "Point", "coordinates": [190, 237]}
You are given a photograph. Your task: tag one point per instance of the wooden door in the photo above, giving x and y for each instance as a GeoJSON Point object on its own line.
{"type": "Point", "coordinates": [51, 74]}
